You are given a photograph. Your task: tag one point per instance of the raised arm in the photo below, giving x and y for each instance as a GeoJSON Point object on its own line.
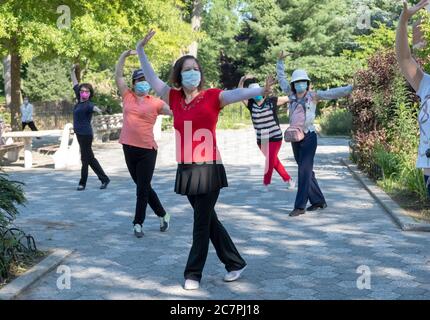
{"type": "Point", "coordinates": [409, 67]}
{"type": "Point", "coordinates": [333, 94]}
{"type": "Point", "coordinates": [119, 71]}
{"type": "Point", "coordinates": [160, 87]}
{"type": "Point", "coordinates": [280, 71]}
{"type": "Point", "coordinates": [73, 76]}
{"type": "Point", "coordinates": [232, 96]}
{"type": "Point", "coordinates": [240, 86]}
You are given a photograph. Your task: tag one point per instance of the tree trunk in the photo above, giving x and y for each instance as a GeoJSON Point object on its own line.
{"type": "Point", "coordinates": [7, 79]}
{"type": "Point", "coordinates": [196, 22]}
{"type": "Point", "coordinates": [15, 90]}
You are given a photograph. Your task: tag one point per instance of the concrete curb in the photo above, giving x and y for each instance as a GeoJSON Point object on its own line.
{"type": "Point", "coordinates": [393, 209]}
{"type": "Point", "coordinates": [12, 290]}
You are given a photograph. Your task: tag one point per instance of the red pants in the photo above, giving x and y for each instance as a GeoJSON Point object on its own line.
{"type": "Point", "coordinates": [271, 151]}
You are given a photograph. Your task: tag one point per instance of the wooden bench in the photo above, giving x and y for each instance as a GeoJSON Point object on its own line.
{"type": "Point", "coordinates": [12, 151]}
{"type": "Point", "coordinates": [49, 150]}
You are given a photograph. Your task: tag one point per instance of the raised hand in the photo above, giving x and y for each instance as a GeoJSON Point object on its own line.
{"type": "Point", "coordinates": [129, 53]}
{"type": "Point", "coordinates": [144, 41]}
{"type": "Point", "coordinates": [410, 12]}
{"type": "Point", "coordinates": [270, 81]}
{"type": "Point", "coordinates": [282, 55]}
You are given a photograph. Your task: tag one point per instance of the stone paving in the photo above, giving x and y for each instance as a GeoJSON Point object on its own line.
{"type": "Point", "coordinates": [315, 256]}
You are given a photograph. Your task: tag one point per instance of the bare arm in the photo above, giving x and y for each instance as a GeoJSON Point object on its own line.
{"type": "Point", "coordinates": [283, 100]}
{"type": "Point", "coordinates": [97, 109]}
{"type": "Point", "coordinates": [119, 71]}
{"type": "Point", "coordinates": [409, 67]}
{"type": "Point", "coordinates": [73, 76]}
{"type": "Point", "coordinates": [159, 86]}
{"type": "Point", "coordinates": [240, 86]}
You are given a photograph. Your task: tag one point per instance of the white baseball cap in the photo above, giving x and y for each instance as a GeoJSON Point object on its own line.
{"type": "Point", "coordinates": [254, 85]}
{"type": "Point", "coordinates": [300, 75]}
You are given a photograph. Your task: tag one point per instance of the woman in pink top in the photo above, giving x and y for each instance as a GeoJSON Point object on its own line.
{"type": "Point", "coordinates": [140, 112]}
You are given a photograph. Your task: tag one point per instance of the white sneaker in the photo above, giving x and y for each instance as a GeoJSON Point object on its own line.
{"type": "Point", "coordinates": [233, 275]}
{"type": "Point", "coordinates": [191, 284]}
{"type": "Point", "coordinates": [165, 223]}
{"type": "Point", "coordinates": [291, 184]}
{"type": "Point", "coordinates": [138, 232]}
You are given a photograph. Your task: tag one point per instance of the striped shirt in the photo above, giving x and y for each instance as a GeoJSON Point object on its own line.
{"type": "Point", "coordinates": [265, 119]}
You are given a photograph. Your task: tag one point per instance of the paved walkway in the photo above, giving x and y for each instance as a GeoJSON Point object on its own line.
{"type": "Point", "coordinates": [315, 256]}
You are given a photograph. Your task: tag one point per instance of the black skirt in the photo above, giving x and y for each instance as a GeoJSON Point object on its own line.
{"type": "Point", "coordinates": [195, 179]}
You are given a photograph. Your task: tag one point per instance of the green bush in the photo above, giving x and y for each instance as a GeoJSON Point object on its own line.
{"type": "Point", "coordinates": [336, 121]}
{"type": "Point", "coordinates": [388, 161]}
{"type": "Point", "coordinates": [107, 103]}
{"type": "Point", "coordinates": [47, 80]}
{"type": "Point", "coordinates": [234, 117]}
{"type": "Point", "coordinates": [11, 195]}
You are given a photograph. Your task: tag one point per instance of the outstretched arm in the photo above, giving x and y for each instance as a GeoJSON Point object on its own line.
{"type": "Point", "coordinates": [232, 96]}
{"type": "Point", "coordinates": [280, 71]}
{"type": "Point", "coordinates": [333, 94]}
{"type": "Point", "coordinates": [409, 67]}
{"type": "Point", "coordinates": [119, 71]}
{"type": "Point", "coordinates": [97, 109]}
{"type": "Point", "coordinates": [160, 87]}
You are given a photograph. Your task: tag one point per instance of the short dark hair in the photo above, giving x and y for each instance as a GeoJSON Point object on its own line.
{"type": "Point", "coordinates": [176, 77]}
{"type": "Point", "coordinates": [293, 88]}
{"type": "Point", "coordinates": [249, 81]}
{"type": "Point", "coordinates": [89, 87]}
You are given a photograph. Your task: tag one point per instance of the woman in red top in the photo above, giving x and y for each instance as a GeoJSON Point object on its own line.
{"type": "Point", "coordinates": [200, 174]}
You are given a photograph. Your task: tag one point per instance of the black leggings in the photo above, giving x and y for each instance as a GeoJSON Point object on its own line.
{"type": "Point", "coordinates": [141, 165]}
{"type": "Point", "coordinates": [207, 226]}
{"type": "Point", "coordinates": [30, 124]}
{"type": "Point", "coordinates": [88, 159]}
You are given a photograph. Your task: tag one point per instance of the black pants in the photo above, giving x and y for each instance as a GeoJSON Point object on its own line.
{"type": "Point", "coordinates": [141, 165]}
{"type": "Point", "coordinates": [207, 226]}
{"type": "Point", "coordinates": [308, 188]}
{"type": "Point", "coordinates": [88, 159]}
{"type": "Point", "coordinates": [30, 124]}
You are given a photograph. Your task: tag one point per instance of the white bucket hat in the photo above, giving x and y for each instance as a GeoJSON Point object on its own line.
{"type": "Point", "coordinates": [300, 75]}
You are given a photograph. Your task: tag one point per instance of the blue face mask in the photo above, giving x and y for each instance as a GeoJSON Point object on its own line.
{"type": "Point", "coordinates": [191, 79]}
{"type": "Point", "coordinates": [142, 87]}
{"type": "Point", "coordinates": [258, 98]}
{"type": "Point", "coordinates": [301, 86]}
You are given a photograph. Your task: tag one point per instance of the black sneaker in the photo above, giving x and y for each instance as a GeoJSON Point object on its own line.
{"type": "Point", "coordinates": [104, 184]}
{"type": "Point", "coordinates": [316, 207]}
{"type": "Point", "coordinates": [81, 188]}
{"type": "Point", "coordinates": [297, 212]}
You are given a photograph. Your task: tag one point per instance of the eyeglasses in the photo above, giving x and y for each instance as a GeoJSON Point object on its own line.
{"type": "Point", "coordinates": [83, 90]}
